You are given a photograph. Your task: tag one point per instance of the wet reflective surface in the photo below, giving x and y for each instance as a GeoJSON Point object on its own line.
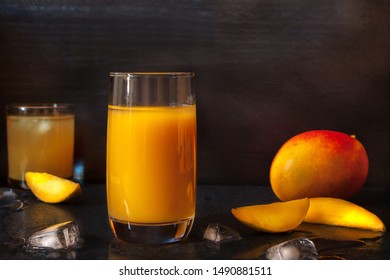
{"type": "Point", "coordinates": [80, 230]}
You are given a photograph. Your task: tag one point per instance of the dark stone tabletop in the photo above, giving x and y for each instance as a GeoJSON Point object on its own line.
{"type": "Point", "coordinates": [214, 203]}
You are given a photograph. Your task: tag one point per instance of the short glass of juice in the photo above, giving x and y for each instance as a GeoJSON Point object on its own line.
{"type": "Point", "coordinates": [151, 156]}
{"type": "Point", "coordinates": [40, 138]}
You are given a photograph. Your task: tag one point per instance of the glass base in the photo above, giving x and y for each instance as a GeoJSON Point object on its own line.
{"type": "Point", "coordinates": [151, 233]}
{"type": "Point", "coordinates": [17, 184]}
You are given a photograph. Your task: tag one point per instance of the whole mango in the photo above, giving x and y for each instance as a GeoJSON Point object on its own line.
{"type": "Point", "coordinates": [319, 163]}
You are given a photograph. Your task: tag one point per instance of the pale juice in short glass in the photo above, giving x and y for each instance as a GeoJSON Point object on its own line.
{"type": "Point", "coordinates": [40, 144]}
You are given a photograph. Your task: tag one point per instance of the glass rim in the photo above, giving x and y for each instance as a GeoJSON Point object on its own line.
{"type": "Point", "coordinates": [40, 105]}
{"type": "Point", "coordinates": [153, 74]}
{"type": "Point", "coordinates": [25, 108]}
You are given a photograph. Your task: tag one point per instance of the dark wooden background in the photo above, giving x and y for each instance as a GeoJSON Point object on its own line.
{"type": "Point", "coordinates": [266, 70]}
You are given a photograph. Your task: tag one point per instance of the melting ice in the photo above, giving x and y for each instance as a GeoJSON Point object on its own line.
{"type": "Point", "coordinates": [294, 249]}
{"type": "Point", "coordinates": [59, 236]}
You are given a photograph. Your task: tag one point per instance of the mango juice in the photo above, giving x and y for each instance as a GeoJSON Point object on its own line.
{"type": "Point", "coordinates": [151, 164]}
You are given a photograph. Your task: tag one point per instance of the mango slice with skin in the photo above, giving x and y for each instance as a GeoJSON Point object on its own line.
{"type": "Point", "coordinates": [339, 212]}
{"type": "Point", "coordinates": [273, 217]}
{"type": "Point", "coordinates": [51, 189]}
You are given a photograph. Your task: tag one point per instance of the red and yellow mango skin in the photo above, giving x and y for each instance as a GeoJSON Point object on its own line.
{"type": "Point", "coordinates": [319, 163]}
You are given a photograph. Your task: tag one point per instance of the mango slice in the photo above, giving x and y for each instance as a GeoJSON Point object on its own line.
{"type": "Point", "coordinates": [273, 217]}
{"type": "Point", "coordinates": [339, 212]}
{"type": "Point", "coordinates": [51, 189]}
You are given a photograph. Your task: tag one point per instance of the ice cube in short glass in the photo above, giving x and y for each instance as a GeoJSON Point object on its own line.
{"type": "Point", "coordinates": [294, 249]}
{"type": "Point", "coordinates": [44, 126]}
{"type": "Point", "coordinates": [59, 236]}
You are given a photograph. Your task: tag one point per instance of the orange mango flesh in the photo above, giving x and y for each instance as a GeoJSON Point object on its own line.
{"type": "Point", "coordinates": [339, 212]}
{"type": "Point", "coordinates": [273, 217]}
{"type": "Point", "coordinates": [51, 189]}
{"type": "Point", "coordinates": [289, 215]}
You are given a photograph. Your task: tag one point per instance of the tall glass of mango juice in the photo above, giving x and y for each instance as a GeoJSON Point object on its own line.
{"type": "Point", "coordinates": [151, 156]}
{"type": "Point", "coordinates": [40, 138]}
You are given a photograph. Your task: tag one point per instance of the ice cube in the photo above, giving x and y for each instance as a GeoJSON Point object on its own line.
{"type": "Point", "coordinates": [44, 126]}
{"type": "Point", "coordinates": [11, 200]}
{"type": "Point", "coordinates": [294, 249]}
{"type": "Point", "coordinates": [59, 236]}
{"type": "Point", "coordinates": [8, 194]}
{"type": "Point", "coordinates": [219, 233]}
